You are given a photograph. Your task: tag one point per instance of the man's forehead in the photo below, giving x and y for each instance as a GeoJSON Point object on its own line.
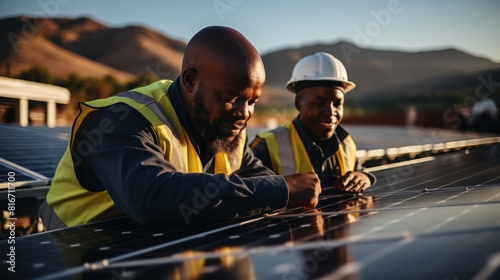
{"type": "Point", "coordinates": [324, 92]}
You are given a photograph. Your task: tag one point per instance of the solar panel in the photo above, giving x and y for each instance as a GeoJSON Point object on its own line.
{"type": "Point", "coordinates": [430, 218]}
{"type": "Point", "coordinates": [35, 149]}
{"type": "Point", "coordinates": [28, 160]}
{"type": "Point", "coordinates": [378, 144]}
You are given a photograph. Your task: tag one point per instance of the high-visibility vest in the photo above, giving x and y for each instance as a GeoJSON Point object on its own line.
{"type": "Point", "coordinates": [289, 156]}
{"type": "Point", "coordinates": [75, 205]}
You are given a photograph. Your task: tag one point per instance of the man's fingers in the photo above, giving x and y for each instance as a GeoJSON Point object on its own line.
{"type": "Point", "coordinates": [303, 189]}
{"type": "Point", "coordinates": [360, 186]}
{"type": "Point", "coordinates": [353, 185]}
{"type": "Point", "coordinates": [353, 182]}
{"type": "Point", "coordinates": [312, 204]}
{"type": "Point", "coordinates": [347, 178]}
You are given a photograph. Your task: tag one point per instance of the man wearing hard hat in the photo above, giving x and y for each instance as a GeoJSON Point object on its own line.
{"type": "Point", "coordinates": [314, 141]}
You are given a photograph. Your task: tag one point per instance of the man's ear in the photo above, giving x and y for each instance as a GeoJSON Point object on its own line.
{"type": "Point", "coordinates": [298, 100]}
{"type": "Point", "coordinates": [189, 76]}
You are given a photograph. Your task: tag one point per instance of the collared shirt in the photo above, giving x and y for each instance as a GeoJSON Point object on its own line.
{"type": "Point", "coordinates": [128, 158]}
{"type": "Point", "coordinates": [321, 155]}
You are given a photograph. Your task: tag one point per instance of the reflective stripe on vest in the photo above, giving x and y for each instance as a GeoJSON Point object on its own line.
{"type": "Point", "coordinates": [288, 154]}
{"type": "Point", "coordinates": [74, 205]}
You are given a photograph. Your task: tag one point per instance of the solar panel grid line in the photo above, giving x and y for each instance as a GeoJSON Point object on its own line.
{"type": "Point", "coordinates": [105, 264]}
{"type": "Point", "coordinates": [248, 244]}
{"type": "Point", "coordinates": [451, 218]}
{"type": "Point", "coordinates": [428, 190]}
{"type": "Point", "coordinates": [352, 268]}
{"type": "Point", "coordinates": [407, 189]}
{"type": "Point", "coordinates": [399, 176]}
{"type": "Point", "coordinates": [424, 212]}
{"type": "Point", "coordinates": [401, 239]}
{"type": "Point", "coordinates": [437, 188]}
{"type": "Point", "coordinates": [411, 237]}
{"type": "Point", "coordinates": [83, 232]}
{"type": "Point", "coordinates": [422, 209]}
{"type": "Point", "coordinates": [430, 230]}
{"type": "Point", "coordinates": [478, 170]}
{"type": "Point", "coordinates": [401, 179]}
{"type": "Point", "coordinates": [205, 256]}
{"type": "Point", "coordinates": [375, 210]}
{"type": "Point", "coordinates": [437, 204]}
{"type": "Point", "coordinates": [160, 246]}
{"type": "Point", "coordinates": [95, 265]}
{"type": "Point", "coordinates": [71, 270]}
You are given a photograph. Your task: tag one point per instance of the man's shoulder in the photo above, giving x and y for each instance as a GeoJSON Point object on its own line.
{"type": "Point", "coordinates": [115, 118]}
{"type": "Point", "coordinates": [277, 130]}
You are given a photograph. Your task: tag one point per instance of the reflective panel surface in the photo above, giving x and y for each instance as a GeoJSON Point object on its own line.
{"type": "Point", "coordinates": [432, 218]}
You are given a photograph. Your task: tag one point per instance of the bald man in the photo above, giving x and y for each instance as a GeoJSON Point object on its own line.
{"type": "Point", "coordinates": [175, 152]}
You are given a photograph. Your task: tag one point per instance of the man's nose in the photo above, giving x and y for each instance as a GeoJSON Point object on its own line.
{"type": "Point", "coordinates": [330, 109]}
{"type": "Point", "coordinates": [241, 110]}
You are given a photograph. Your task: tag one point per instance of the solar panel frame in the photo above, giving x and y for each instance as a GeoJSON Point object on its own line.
{"type": "Point", "coordinates": [20, 176]}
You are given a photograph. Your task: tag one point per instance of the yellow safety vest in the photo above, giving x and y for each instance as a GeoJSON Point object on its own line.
{"type": "Point", "coordinates": [75, 205]}
{"type": "Point", "coordinates": [289, 156]}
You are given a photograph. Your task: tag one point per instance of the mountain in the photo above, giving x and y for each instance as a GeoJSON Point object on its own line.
{"type": "Point", "coordinates": [91, 49]}
{"type": "Point", "coordinates": [86, 47]}
{"type": "Point", "coordinates": [379, 72]}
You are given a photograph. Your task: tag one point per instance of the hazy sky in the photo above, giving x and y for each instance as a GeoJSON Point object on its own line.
{"type": "Point", "coordinates": [411, 25]}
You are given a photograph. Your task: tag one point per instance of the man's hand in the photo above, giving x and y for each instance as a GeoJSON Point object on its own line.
{"type": "Point", "coordinates": [352, 181]}
{"type": "Point", "coordinates": [303, 189]}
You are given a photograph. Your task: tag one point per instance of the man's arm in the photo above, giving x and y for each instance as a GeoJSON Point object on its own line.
{"type": "Point", "coordinates": [303, 188]}
{"type": "Point", "coordinates": [129, 164]}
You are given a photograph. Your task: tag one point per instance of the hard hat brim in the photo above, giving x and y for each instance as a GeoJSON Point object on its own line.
{"type": "Point", "coordinates": [347, 85]}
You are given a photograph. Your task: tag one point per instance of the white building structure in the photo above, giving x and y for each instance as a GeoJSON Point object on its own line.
{"type": "Point", "coordinates": [24, 91]}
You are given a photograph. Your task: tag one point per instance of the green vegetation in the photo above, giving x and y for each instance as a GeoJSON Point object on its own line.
{"type": "Point", "coordinates": [85, 88]}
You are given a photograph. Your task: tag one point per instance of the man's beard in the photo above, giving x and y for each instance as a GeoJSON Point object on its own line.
{"type": "Point", "coordinates": [208, 132]}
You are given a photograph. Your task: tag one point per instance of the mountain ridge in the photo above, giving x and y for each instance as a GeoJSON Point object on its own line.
{"type": "Point", "coordinates": [90, 48]}
{"type": "Point", "coordinates": [376, 71]}
{"type": "Point", "coordinates": [124, 52]}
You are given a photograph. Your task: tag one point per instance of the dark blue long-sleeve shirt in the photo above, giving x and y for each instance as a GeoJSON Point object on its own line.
{"type": "Point", "coordinates": [129, 164]}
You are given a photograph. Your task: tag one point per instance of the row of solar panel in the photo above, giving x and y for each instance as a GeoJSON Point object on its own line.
{"type": "Point", "coordinates": [432, 218]}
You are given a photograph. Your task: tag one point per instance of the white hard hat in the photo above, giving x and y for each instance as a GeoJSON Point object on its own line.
{"type": "Point", "coordinates": [320, 66]}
